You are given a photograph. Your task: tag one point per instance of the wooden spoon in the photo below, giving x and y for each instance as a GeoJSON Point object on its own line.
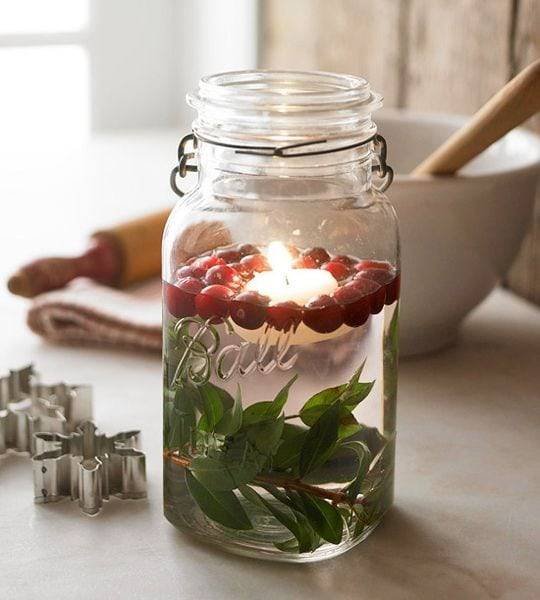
{"type": "Point", "coordinates": [518, 100]}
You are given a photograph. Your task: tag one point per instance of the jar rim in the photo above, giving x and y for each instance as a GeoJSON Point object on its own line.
{"type": "Point", "coordinates": [284, 105]}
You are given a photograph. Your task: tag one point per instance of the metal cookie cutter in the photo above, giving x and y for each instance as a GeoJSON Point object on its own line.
{"type": "Point", "coordinates": [27, 406]}
{"type": "Point", "coordinates": [89, 467]}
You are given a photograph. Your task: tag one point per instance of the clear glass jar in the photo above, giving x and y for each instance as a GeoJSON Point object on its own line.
{"type": "Point", "coordinates": [281, 286]}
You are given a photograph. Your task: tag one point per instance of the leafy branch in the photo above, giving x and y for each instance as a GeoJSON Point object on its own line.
{"type": "Point", "coordinates": [227, 451]}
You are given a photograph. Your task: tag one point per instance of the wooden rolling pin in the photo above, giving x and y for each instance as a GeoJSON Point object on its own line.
{"type": "Point", "coordinates": [517, 101]}
{"type": "Point", "coordinates": [119, 256]}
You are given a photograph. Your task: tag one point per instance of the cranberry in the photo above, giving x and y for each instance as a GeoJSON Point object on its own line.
{"type": "Point", "coordinates": [284, 316]}
{"type": "Point", "coordinates": [256, 262]}
{"type": "Point", "coordinates": [323, 314]}
{"type": "Point", "coordinates": [377, 295]}
{"type": "Point", "coordinates": [319, 255]}
{"type": "Point", "coordinates": [392, 289]}
{"type": "Point", "coordinates": [242, 269]}
{"type": "Point", "coordinates": [213, 301]}
{"type": "Point", "coordinates": [206, 262]}
{"type": "Point", "coordinates": [248, 309]}
{"type": "Point", "coordinates": [385, 278]}
{"type": "Point", "coordinates": [305, 262]}
{"type": "Point", "coordinates": [246, 249]}
{"type": "Point", "coordinates": [356, 298]}
{"type": "Point", "coordinates": [337, 269]}
{"type": "Point", "coordinates": [223, 275]}
{"type": "Point", "coordinates": [362, 265]}
{"type": "Point", "coordinates": [180, 298]}
{"type": "Point", "coordinates": [344, 259]}
{"type": "Point", "coordinates": [229, 255]}
{"type": "Point", "coordinates": [190, 271]}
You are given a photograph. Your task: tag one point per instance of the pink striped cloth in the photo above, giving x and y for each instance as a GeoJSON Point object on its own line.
{"type": "Point", "coordinates": [88, 314]}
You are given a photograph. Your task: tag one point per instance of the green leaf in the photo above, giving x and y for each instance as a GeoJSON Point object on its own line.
{"type": "Point", "coordinates": [361, 519]}
{"type": "Point", "coordinates": [278, 494]}
{"type": "Point", "coordinates": [179, 418]}
{"type": "Point", "coordinates": [221, 475]}
{"type": "Point", "coordinates": [288, 454]}
{"type": "Point", "coordinates": [283, 395]}
{"type": "Point", "coordinates": [264, 411]}
{"type": "Point", "coordinates": [349, 394]}
{"type": "Point", "coordinates": [354, 394]}
{"type": "Point", "coordinates": [320, 440]}
{"type": "Point", "coordinates": [212, 398]}
{"type": "Point", "coordinates": [364, 458]}
{"type": "Point", "coordinates": [348, 426]}
{"type": "Point", "coordinates": [296, 523]}
{"type": "Point", "coordinates": [231, 421]}
{"type": "Point", "coordinates": [266, 436]}
{"type": "Point", "coordinates": [187, 398]}
{"type": "Point", "coordinates": [308, 539]}
{"type": "Point", "coordinates": [285, 518]}
{"type": "Point", "coordinates": [341, 467]}
{"type": "Point", "coordinates": [317, 404]}
{"type": "Point", "coordinates": [324, 518]}
{"type": "Point", "coordinates": [222, 507]}
{"type": "Point", "coordinates": [257, 413]}
{"type": "Point", "coordinates": [251, 496]}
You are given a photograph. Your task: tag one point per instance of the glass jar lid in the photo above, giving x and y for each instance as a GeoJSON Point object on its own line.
{"type": "Point", "coordinates": [250, 107]}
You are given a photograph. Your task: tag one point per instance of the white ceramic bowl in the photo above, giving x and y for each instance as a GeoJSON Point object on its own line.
{"type": "Point", "coordinates": [459, 235]}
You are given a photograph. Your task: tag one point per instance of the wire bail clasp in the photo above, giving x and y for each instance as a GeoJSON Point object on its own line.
{"type": "Point", "coordinates": [183, 166]}
{"type": "Point", "coordinates": [380, 167]}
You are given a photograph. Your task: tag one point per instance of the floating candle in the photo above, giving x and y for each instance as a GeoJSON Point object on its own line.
{"type": "Point", "coordinates": [284, 284]}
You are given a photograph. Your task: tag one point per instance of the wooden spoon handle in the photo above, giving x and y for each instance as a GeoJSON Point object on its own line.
{"type": "Point", "coordinates": [518, 100]}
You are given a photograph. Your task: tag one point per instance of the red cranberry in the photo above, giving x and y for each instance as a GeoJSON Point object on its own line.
{"type": "Point", "coordinates": [213, 301]}
{"type": "Point", "coordinates": [392, 289]}
{"type": "Point", "coordinates": [256, 262]}
{"type": "Point", "coordinates": [305, 262]}
{"type": "Point", "coordinates": [247, 249]}
{"type": "Point", "coordinates": [385, 278]}
{"type": "Point", "coordinates": [356, 298]}
{"type": "Point", "coordinates": [242, 269]}
{"type": "Point", "coordinates": [323, 314]}
{"type": "Point", "coordinates": [223, 275]}
{"type": "Point", "coordinates": [229, 255]}
{"type": "Point", "coordinates": [190, 271]}
{"type": "Point", "coordinates": [180, 298]}
{"type": "Point", "coordinates": [319, 255]}
{"type": "Point", "coordinates": [362, 265]}
{"type": "Point", "coordinates": [337, 269]}
{"type": "Point", "coordinates": [377, 294]}
{"type": "Point", "coordinates": [248, 309]}
{"type": "Point", "coordinates": [206, 262]}
{"type": "Point", "coordinates": [284, 316]}
{"type": "Point", "coordinates": [344, 259]}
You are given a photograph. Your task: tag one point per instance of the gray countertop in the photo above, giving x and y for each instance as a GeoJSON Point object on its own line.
{"type": "Point", "coordinates": [466, 523]}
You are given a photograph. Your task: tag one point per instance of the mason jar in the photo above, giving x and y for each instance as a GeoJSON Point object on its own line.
{"type": "Point", "coordinates": [280, 318]}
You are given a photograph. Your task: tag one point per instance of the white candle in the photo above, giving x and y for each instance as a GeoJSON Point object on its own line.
{"type": "Point", "coordinates": [283, 284]}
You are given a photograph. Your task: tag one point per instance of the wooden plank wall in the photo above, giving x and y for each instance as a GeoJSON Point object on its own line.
{"type": "Point", "coordinates": [425, 54]}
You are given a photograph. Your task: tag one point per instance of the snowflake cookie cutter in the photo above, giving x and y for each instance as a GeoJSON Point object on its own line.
{"type": "Point", "coordinates": [28, 406]}
{"type": "Point", "coordinates": [88, 466]}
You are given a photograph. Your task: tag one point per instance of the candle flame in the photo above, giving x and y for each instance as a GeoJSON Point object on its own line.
{"type": "Point", "coordinates": [279, 257]}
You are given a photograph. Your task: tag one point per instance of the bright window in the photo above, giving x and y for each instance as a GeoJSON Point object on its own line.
{"type": "Point", "coordinates": [42, 16]}
{"type": "Point", "coordinates": [44, 72]}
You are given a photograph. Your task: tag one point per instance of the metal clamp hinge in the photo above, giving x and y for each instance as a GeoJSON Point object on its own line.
{"type": "Point", "coordinates": [380, 167]}
{"type": "Point", "coordinates": [184, 167]}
